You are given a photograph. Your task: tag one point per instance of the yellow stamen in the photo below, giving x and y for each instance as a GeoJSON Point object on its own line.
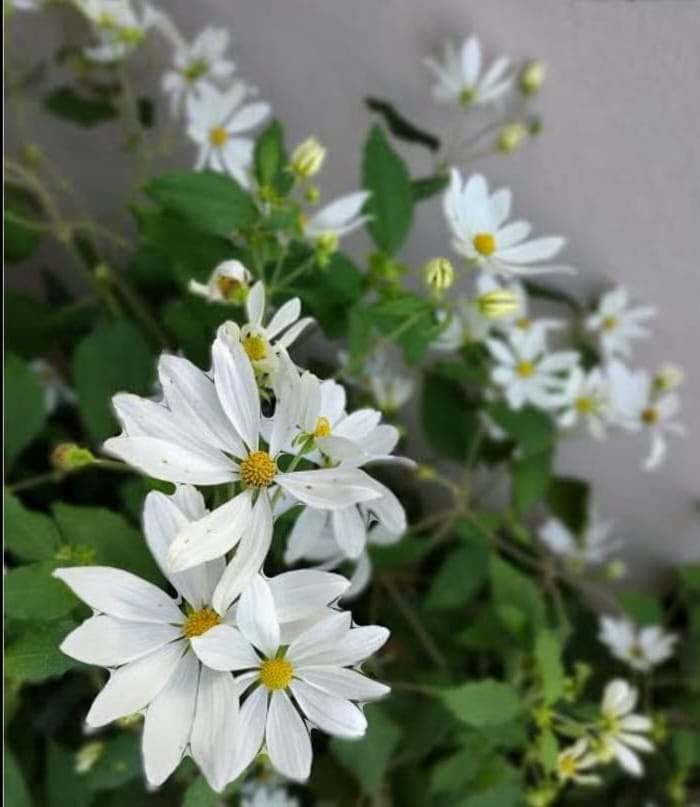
{"type": "Point", "coordinates": [466, 96]}
{"type": "Point", "coordinates": [218, 136]}
{"type": "Point", "coordinates": [484, 244]}
{"type": "Point", "coordinates": [525, 369]}
{"type": "Point", "coordinates": [650, 416]}
{"type": "Point", "coordinates": [255, 347]}
{"type": "Point", "coordinates": [200, 622]}
{"type": "Point", "coordinates": [276, 673]}
{"type": "Point", "coordinates": [568, 766]}
{"type": "Point", "coordinates": [585, 405]}
{"type": "Point", "coordinates": [609, 323]}
{"type": "Point", "coordinates": [323, 427]}
{"type": "Point", "coordinates": [195, 70]}
{"type": "Point", "coordinates": [258, 470]}
{"type": "Point", "coordinates": [523, 323]}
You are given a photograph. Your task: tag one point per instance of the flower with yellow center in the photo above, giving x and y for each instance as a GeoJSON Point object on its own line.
{"type": "Point", "coordinates": [258, 470]}
{"type": "Point", "coordinates": [200, 621]}
{"type": "Point", "coordinates": [525, 369]}
{"type": "Point", "coordinates": [255, 347]}
{"type": "Point", "coordinates": [573, 762]}
{"type": "Point", "coordinates": [484, 243]}
{"type": "Point", "coordinates": [616, 324]}
{"type": "Point", "coordinates": [218, 136]}
{"type": "Point", "coordinates": [276, 673]}
{"type": "Point", "coordinates": [323, 427]}
{"type": "Point", "coordinates": [650, 416]}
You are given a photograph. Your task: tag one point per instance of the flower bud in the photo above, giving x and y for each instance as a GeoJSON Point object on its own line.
{"type": "Point", "coordinates": [498, 303]}
{"type": "Point", "coordinates": [615, 570]}
{"type": "Point", "coordinates": [531, 77]}
{"type": "Point", "coordinates": [669, 377]}
{"type": "Point", "coordinates": [511, 137]}
{"type": "Point", "coordinates": [31, 155]}
{"type": "Point", "coordinates": [439, 274]}
{"type": "Point", "coordinates": [71, 457]}
{"type": "Point", "coordinates": [88, 755]}
{"type": "Point", "coordinates": [425, 472]}
{"type": "Point", "coordinates": [312, 194]}
{"type": "Point", "coordinates": [308, 158]}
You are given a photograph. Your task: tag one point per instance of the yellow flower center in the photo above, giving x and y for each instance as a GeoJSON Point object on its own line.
{"type": "Point", "coordinates": [276, 673]}
{"type": "Point", "coordinates": [637, 651]}
{"type": "Point", "coordinates": [200, 622]}
{"type": "Point", "coordinates": [323, 427]}
{"type": "Point", "coordinates": [525, 369]}
{"type": "Point", "coordinates": [255, 347]}
{"type": "Point", "coordinates": [609, 323]}
{"type": "Point", "coordinates": [484, 244]}
{"type": "Point", "coordinates": [568, 767]}
{"type": "Point", "coordinates": [585, 405]}
{"type": "Point", "coordinates": [650, 416]}
{"type": "Point", "coordinates": [466, 96]}
{"type": "Point", "coordinates": [195, 70]}
{"type": "Point", "coordinates": [258, 470]}
{"type": "Point", "coordinates": [524, 323]}
{"type": "Point", "coordinates": [218, 136]}
{"type": "Point", "coordinates": [228, 286]}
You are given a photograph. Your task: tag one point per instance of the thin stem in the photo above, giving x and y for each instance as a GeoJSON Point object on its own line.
{"type": "Point", "coordinates": [50, 478]}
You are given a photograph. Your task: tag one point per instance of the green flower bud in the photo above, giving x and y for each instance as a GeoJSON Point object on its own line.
{"type": "Point", "coordinates": [511, 137]}
{"type": "Point", "coordinates": [498, 303]}
{"type": "Point", "coordinates": [71, 457]}
{"type": "Point", "coordinates": [531, 77]}
{"type": "Point", "coordinates": [308, 158]}
{"type": "Point", "coordinates": [88, 755]}
{"type": "Point", "coordinates": [312, 194]}
{"type": "Point", "coordinates": [669, 377]}
{"type": "Point", "coordinates": [439, 274]}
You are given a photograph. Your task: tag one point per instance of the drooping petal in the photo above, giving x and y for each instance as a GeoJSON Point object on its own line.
{"type": "Point", "coordinates": [287, 315]}
{"type": "Point", "coordinates": [287, 739]}
{"type": "Point", "coordinates": [329, 488]}
{"type": "Point", "coordinates": [336, 716]}
{"type": "Point", "coordinates": [224, 648]}
{"type": "Point", "coordinates": [302, 592]}
{"type": "Point", "coordinates": [257, 617]}
{"type": "Point", "coordinates": [349, 530]}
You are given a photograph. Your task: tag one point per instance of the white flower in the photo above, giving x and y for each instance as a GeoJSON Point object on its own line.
{"type": "Point", "coordinates": [197, 64]}
{"type": "Point", "coordinates": [390, 388]}
{"type": "Point", "coordinates": [465, 324]}
{"type": "Point", "coordinates": [616, 325]}
{"type": "Point", "coordinates": [526, 373]}
{"type": "Point", "coordinates": [574, 761]}
{"type": "Point", "coordinates": [623, 733]}
{"type": "Point", "coordinates": [144, 638]}
{"type": "Point", "coordinates": [118, 28]}
{"type": "Point", "coordinates": [216, 121]}
{"type": "Point", "coordinates": [586, 395]}
{"type": "Point", "coordinates": [477, 220]}
{"type": "Point", "coordinates": [208, 432]}
{"type": "Point", "coordinates": [593, 547]}
{"type": "Point", "coordinates": [336, 219]}
{"type": "Point", "coordinates": [264, 344]}
{"type": "Point", "coordinates": [264, 796]}
{"type": "Point", "coordinates": [459, 78]}
{"type": "Point", "coordinates": [316, 669]}
{"type": "Point", "coordinates": [637, 405]}
{"type": "Point", "coordinates": [56, 390]}
{"type": "Point", "coordinates": [642, 648]}
{"type": "Point", "coordinates": [227, 283]}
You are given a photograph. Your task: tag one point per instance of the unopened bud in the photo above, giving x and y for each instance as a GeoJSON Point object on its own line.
{"type": "Point", "coordinates": [542, 796]}
{"type": "Point", "coordinates": [531, 77]}
{"type": "Point", "coordinates": [88, 755]}
{"type": "Point", "coordinates": [439, 274]}
{"type": "Point", "coordinates": [308, 158]}
{"type": "Point", "coordinates": [615, 570]}
{"type": "Point", "coordinates": [511, 137]}
{"type": "Point", "coordinates": [498, 303]}
{"type": "Point", "coordinates": [668, 378]}
{"type": "Point", "coordinates": [71, 457]}
{"type": "Point", "coordinates": [31, 155]}
{"type": "Point", "coordinates": [326, 245]}
{"type": "Point", "coordinates": [312, 194]}
{"type": "Point", "coordinates": [425, 472]}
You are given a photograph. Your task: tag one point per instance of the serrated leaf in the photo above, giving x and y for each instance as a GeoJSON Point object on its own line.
{"type": "Point", "coordinates": [28, 535]}
{"type": "Point", "coordinates": [25, 408]}
{"type": "Point", "coordinates": [35, 656]}
{"type": "Point", "coordinates": [483, 703]}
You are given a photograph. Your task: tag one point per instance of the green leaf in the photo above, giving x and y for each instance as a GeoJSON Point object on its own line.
{"type": "Point", "coordinates": [401, 127]}
{"type": "Point", "coordinates": [22, 229]}
{"type": "Point", "coordinates": [28, 535]}
{"type": "Point", "coordinates": [25, 409]}
{"type": "Point", "coordinates": [483, 703]}
{"type": "Point", "coordinates": [106, 538]}
{"type": "Point", "coordinates": [113, 358]}
{"type": "Point", "coordinates": [531, 475]}
{"type": "Point", "coordinates": [35, 656]}
{"type": "Point", "coordinates": [460, 576]}
{"type": "Point", "coordinates": [517, 599]}
{"type": "Point", "coordinates": [568, 499]}
{"type": "Point", "coordinates": [14, 788]}
{"type": "Point", "coordinates": [548, 651]}
{"type": "Point", "coordinates": [199, 794]}
{"type": "Point", "coordinates": [642, 607]}
{"type": "Point", "coordinates": [408, 319]}
{"type": "Point", "coordinates": [452, 775]}
{"type": "Point", "coordinates": [331, 295]}
{"type": "Point", "coordinates": [66, 103]}
{"type": "Point", "coordinates": [119, 763]}
{"type": "Point", "coordinates": [64, 786]}
{"type": "Point", "coordinates": [210, 202]}
{"type": "Point", "coordinates": [449, 423]}
{"type": "Point", "coordinates": [427, 187]}
{"type": "Point", "coordinates": [32, 593]}
{"type": "Point", "coordinates": [368, 759]}
{"type": "Point", "coordinates": [270, 159]}
{"type": "Point", "coordinates": [548, 750]}
{"type": "Point", "coordinates": [390, 206]}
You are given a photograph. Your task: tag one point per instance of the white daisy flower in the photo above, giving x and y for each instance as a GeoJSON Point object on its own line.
{"type": "Point", "coordinates": [118, 28]}
{"type": "Point", "coordinates": [56, 390]}
{"type": "Point", "coordinates": [641, 647]}
{"type": "Point", "coordinates": [574, 762]}
{"type": "Point", "coordinates": [526, 373]}
{"type": "Point", "coordinates": [459, 77]}
{"type": "Point", "coordinates": [317, 669]}
{"type": "Point", "coordinates": [593, 547]}
{"type": "Point", "coordinates": [216, 122]}
{"type": "Point", "coordinates": [477, 220]}
{"type": "Point", "coordinates": [623, 733]}
{"type": "Point", "coordinates": [201, 62]}
{"type": "Point", "coordinates": [465, 325]}
{"type": "Point", "coordinates": [228, 283]}
{"type": "Point", "coordinates": [336, 219]}
{"type": "Point", "coordinates": [390, 387]}
{"type": "Point", "coordinates": [147, 641]}
{"type": "Point", "coordinates": [616, 325]}
{"type": "Point", "coordinates": [586, 394]}
{"type": "Point", "coordinates": [638, 405]}
{"type": "Point", "coordinates": [264, 344]}
{"type": "Point", "coordinates": [207, 431]}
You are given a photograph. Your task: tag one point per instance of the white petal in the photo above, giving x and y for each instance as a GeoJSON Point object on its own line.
{"type": "Point", "coordinates": [287, 739]}
{"type": "Point", "coordinates": [110, 642]}
{"type": "Point", "coordinates": [120, 594]}
{"type": "Point", "coordinates": [237, 390]}
{"type": "Point", "coordinates": [248, 117]}
{"type": "Point", "coordinates": [215, 726]}
{"type": "Point", "coordinates": [286, 316]}
{"type": "Point", "coordinates": [538, 249]}
{"type": "Point", "coordinates": [168, 722]}
{"type": "Point", "coordinates": [335, 716]}
{"type": "Point", "coordinates": [329, 488]}
{"type": "Point", "coordinates": [352, 648]}
{"type": "Point", "coordinates": [343, 683]}
{"type": "Point", "coordinates": [318, 639]}
{"type": "Point", "coordinates": [305, 533]}
{"type": "Point", "coordinates": [224, 648]}
{"type": "Point", "coordinates": [300, 593]}
{"type": "Point", "coordinates": [133, 687]}
{"type": "Point", "coordinates": [349, 530]}
{"type": "Point", "coordinates": [251, 730]}
{"type": "Point", "coordinates": [628, 760]}
{"type": "Point", "coordinates": [257, 617]}
{"type": "Point", "coordinates": [255, 304]}
{"type": "Point", "coordinates": [290, 336]}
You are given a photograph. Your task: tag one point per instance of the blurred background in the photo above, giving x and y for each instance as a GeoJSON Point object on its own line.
{"type": "Point", "coordinates": [616, 169]}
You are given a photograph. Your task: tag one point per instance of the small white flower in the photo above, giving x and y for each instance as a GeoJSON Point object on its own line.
{"type": "Point", "coordinates": [593, 547]}
{"type": "Point", "coordinates": [292, 686]}
{"type": "Point", "coordinates": [526, 373]}
{"type": "Point", "coordinates": [216, 122]}
{"type": "Point", "coordinates": [56, 390]}
{"type": "Point", "coordinates": [574, 761]}
{"type": "Point", "coordinates": [623, 733]}
{"type": "Point", "coordinates": [459, 77]}
{"type": "Point", "coordinates": [616, 325]}
{"type": "Point", "coordinates": [637, 405]}
{"type": "Point", "coordinates": [227, 283]}
{"type": "Point", "coordinates": [117, 26]}
{"type": "Point", "coordinates": [586, 395]}
{"type": "Point", "coordinates": [390, 387]}
{"type": "Point", "coordinates": [197, 64]}
{"type": "Point", "coordinates": [478, 219]}
{"type": "Point", "coordinates": [336, 219]}
{"type": "Point", "coordinates": [642, 648]}
{"type": "Point", "coordinates": [465, 325]}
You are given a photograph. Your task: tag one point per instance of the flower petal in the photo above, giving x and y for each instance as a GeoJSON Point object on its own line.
{"type": "Point", "coordinates": [224, 648]}
{"type": "Point", "coordinates": [251, 731]}
{"type": "Point", "coordinates": [343, 683]}
{"type": "Point", "coordinates": [329, 488]}
{"type": "Point", "coordinates": [236, 388]}
{"type": "Point", "coordinates": [110, 642]}
{"type": "Point", "coordinates": [336, 716]}
{"type": "Point", "coordinates": [300, 593]}
{"type": "Point", "coordinates": [257, 617]}
{"type": "Point", "coordinates": [287, 739]}
{"type": "Point", "coordinates": [349, 530]}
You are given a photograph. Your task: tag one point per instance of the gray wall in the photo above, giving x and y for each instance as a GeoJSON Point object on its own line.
{"type": "Point", "coordinates": [617, 169]}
